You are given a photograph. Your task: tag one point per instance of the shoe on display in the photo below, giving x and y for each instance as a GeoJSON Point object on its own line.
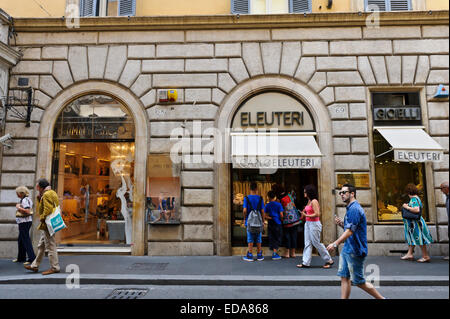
{"type": "Point", "coordinates": [249, 257]}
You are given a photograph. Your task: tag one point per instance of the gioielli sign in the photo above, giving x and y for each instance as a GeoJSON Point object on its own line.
{"type": "Point", "coordinates": [410, 113]}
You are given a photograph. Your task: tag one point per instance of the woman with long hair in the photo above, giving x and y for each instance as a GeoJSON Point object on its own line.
{"type": "Point", "coordinates": [313, 229]}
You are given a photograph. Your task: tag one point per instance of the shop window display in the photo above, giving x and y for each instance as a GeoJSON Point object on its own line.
{"type": "Point", "coordinates": [163, 191]}
{"type": "Point", "coordinates": [93, 171]}
{"type": "Point", "coordinates": [391, 180]}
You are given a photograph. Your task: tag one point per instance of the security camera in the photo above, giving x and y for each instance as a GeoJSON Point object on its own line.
{"type": "Point", "coordinates": [6, 140]}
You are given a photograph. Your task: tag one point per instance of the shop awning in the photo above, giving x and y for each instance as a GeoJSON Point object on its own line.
{"type": "Point", "coordinates": [282, 150]}
{"type": "Point", "coordinates": [412, 145]}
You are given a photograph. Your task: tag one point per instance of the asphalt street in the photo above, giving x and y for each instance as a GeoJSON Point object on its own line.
{"type": "Point", "coordinates": [216, 292]}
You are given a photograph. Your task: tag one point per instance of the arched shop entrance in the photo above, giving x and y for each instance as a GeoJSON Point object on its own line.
{"type": "Point", "coordinates": [279, 133]}
{"type": "Point", "coordinates": [93, 171]}
{"type": "Point", "coordinates": [93, 142]}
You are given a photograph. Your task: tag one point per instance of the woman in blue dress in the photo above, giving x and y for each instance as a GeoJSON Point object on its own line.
{"type": "Point", "coordinates": [416, 230]}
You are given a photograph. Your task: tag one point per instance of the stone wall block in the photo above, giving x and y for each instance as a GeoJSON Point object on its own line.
{"type": "Point", "coordinates": [9, 231]}
{"type": "Point", "coordinates": [142, 84]}
{"type": "Point", "coordinates": [306, 68]}
{"type": "Point", "coordinates": [206, 65]}
{"type": "Point", "coordinates": [162, 66]}
{"type": "Point", "coordinates": [197, 179]}
{"type": "Point", "coordinates": [197, 214]}
{"type": "Point", "coordinates": [394, 68]}
{"type": "Point", "coordinates": [130, 72]}
{"type": "Point", "coordinates": [62, 74]}
{"type": "Point", "coordinates": [54, 52]}
{"type": "Point", "coordinates": [437, 110]}
{"type": "Point", "coordinates": [117, 58]}
{"type": "Point", "coordinates": [365, 69]}
{"type": "Point", "coordinates": [78, 63]}
{"type": "Point", "coordinates": [439, 61]}
{"type": "Point", "coordinates": [379, 69]}
{"type": "Point", "coordinates": [344, 78]}
{"type": "Point", "coordinates": [198, 197]}
{"type": "Point", "coordinates": [149, 98]}
{"type": "Point", "coordinates": [252, 58]}
{"type": "Point", "coordinates": [327, 95]}
{"type": "Point", "coordinates": [358, 110]}
{"type": "Point", "coordinates": [341, 145]}
{"type": "Point", "coordinates": [226, 82]}
{"type": "Point", "coordinates": [33, 67]}
{"type": "Point", "coordinates": [409, 64]}
{"type": "Point", "coordinates": [350, 94]}
{"type": "Point", "coordinates": [336, 63]}
{"type": "Point", "coordinates": [424, 46]}
{"type": "Point", "coordinates": [198, 95]}
{"type": "Point", "coordinates": [185, 51]}
{"type": "Point", "coordinates": [198, 232]}
{"type": "Point", "coordinates": [423, 69]}
{"type": "Point", "coordinates": [202, 80]}
{"type": "Point", "coordinates": [366, 47]}
{"type": "Point", "coordinates": [350, 128]}
{"type": "Point", "coordinates": [316, 48]}
{"type": "Point", "coordinates": [351, 162]}
{"type": "Point", "coordinates": [180, 248]}
{"type": "Point", "coordinates": [290, 58]}
{"type": "Point", "coordinates": [237, 70]}
{"type": "Point", "coordinates": [438, 77]}
{"type": "Point", "coordinates": [141, 51]}
{"type": "Point", "coordinates": [183, 112]}
{"type": "Point", "coordinates": [271, 55]}
{"type": "Point", "coordinates": [319, 81]}
{"type": "Point", "coordinates": [48, 85]}
{"type": "Point", "coordinates": [97, 61]}
{"type": "Point", "coordinates": [228, 50]}
{"type": "Point", "coordinates": [217, 96]}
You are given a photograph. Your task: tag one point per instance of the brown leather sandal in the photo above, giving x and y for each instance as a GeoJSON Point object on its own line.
{"type": "Point", "coordinates": [328, 265]}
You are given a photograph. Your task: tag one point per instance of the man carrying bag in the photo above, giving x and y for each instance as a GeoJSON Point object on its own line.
{"type": "Point", "coordinates": [48, 202]}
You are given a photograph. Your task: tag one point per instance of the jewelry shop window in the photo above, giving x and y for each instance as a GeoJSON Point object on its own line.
{"type": "Point", "coordinates": [93, 171]}
{"type": "Point", "coordinates": [391, 175]}
{"type": "Point", "coordinates": [163, 191]}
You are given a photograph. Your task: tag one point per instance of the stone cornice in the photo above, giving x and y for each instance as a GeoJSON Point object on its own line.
{"type": "Point", "coordinates": [9, 55]}
{"type": "Point", "coordinates": [232, 21]}
{"type": "Point", "coordinates": [4, 17]}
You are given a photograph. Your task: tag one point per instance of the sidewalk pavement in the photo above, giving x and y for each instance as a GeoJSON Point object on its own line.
{"type": "Point", "coordinates": [216, 270]}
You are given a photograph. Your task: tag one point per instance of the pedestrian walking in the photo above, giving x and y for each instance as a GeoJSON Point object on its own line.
{"type": "Point", "coordinates": [313, 229]}
{"type": "Point", "coordinates": [48, 201]}
{"type": "Point", "coordinates": [416, 230]}
{"type": "Point", "coordinates": [253, 203]}
{"type": "Point", "coordinates": [444, 190]}
{"type": "Point", "coordinates": [274, 213]}
{"type": "Point", "coordinates": [354, 253]}
{"type": "Point", "coordinates": [24, 219]}
{"type": "Point", "coordinates": [291, 220]}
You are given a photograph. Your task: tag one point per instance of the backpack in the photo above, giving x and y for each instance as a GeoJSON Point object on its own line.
{"type": "Point", "coordinates": [254, 222]}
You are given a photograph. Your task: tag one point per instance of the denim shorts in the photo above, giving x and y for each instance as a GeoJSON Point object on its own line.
{"type": "Point", "coordinates": [352, 266]}
{"type": "Point", "coordinates": [255, 238]}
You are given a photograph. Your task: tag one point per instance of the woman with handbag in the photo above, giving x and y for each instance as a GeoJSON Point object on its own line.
{"type": "Point", "coordinates": [313, 229]}
{"type": "Point", "coordinates": [24, 219]}
{"type": "Point", "coordinates": [291, 220]}
{"type": "Point", "coordinates": [416, 230]}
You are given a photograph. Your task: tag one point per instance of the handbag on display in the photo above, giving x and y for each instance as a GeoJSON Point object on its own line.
{"type": "Point", "coordinates": [55, 221]}
{"type": "Point", "coordinates": [292, 216]}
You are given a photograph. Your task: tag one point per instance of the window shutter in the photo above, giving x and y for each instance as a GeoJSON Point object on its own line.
{"type": "Point", "coordinates": [400, 5]}
{"type": "Point", "coordinates": [382, 5]}
{"type": "Point", "coordinates": [299, 6]}
{"type": "Point", "coordinates": [240, 6]}
{"type": "Point", "coordinates": [88, 8]}
{"type": "Point", "coordinates": [127, 7]}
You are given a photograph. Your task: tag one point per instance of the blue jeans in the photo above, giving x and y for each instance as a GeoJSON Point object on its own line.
{"type": "Point", "coordinates": [255, 238]}
{"type": "Point", "coordinates": [25, 246]}
{"type": "Point", "coordinates": [352, 266]}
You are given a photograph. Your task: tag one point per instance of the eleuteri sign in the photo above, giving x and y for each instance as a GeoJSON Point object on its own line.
{"type": "Point", "coordinates": [273, 110]}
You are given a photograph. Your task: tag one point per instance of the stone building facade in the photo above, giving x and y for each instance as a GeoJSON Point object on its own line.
{"type": "Point", "coordinates": [333, 63]}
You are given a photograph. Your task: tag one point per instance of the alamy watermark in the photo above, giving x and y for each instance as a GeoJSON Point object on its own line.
{"type": "Point", "coordinates": [73, 280]}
